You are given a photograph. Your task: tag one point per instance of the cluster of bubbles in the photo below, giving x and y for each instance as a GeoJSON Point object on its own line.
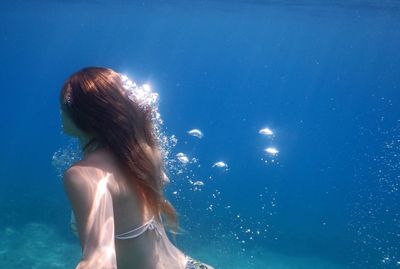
{"type": "Point", "coordinates": [271, 151]}
{"type": "Point", "coordinates": [66, 156]}
{"type": "Point", "coordinates": [376, 214]}
{"type": "Point", "coordinates": [247, 229]}
{"type": "Point", "coordinates": [147, 98]}
{"type": "Point", "coordinates": [181, 165]}
{"type": "Point", "coordinates": [143, 95]}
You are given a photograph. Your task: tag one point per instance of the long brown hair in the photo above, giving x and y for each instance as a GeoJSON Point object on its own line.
{"type": "Point", "coordinates": [98, 104]}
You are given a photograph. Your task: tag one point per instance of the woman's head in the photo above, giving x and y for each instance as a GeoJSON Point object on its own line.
{"type": "Point", "coordinates": [95, 102]}
{"type": "Point", "coordinates": [94, 99]}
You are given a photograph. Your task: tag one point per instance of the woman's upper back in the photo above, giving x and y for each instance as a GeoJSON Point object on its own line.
{"type": "Point", "coordinates": [150, 247]}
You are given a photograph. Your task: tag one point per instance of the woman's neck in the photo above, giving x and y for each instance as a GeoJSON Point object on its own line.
{"type": "Point", "coordinates": [88, 144]}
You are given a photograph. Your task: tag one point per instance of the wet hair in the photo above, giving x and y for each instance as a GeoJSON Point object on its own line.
{"type": "Point", "coordinates": [97, 102]}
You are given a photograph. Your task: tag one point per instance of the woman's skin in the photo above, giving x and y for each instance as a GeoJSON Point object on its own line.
{"type": "Point", "coordinates": [104, 205]}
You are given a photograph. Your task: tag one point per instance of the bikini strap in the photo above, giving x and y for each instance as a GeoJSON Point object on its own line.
{"type": "Point", "coordinates": [151, 225]}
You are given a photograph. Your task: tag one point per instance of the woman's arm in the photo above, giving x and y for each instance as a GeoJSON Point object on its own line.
{"type": "Point", "coordinates": [91, 201]}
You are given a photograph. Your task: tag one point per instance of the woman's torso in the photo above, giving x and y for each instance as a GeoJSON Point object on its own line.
{"type": "Point", "coordinates": [150, 250]}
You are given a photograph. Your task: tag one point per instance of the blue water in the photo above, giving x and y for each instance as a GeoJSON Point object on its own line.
{"type": "Point", "coordinates": [323, 75]}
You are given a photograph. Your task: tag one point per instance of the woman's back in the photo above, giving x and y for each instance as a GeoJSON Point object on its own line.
{"type": "Point", "coordinates": [150, 248]}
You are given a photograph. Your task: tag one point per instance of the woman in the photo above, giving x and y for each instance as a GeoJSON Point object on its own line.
{"type": "Point", "coordinates": [116, 190]}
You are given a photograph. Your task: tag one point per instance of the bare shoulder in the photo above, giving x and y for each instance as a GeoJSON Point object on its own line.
{"type": "Point", "coordinates": [83, 183]}
{"type": "Point", "coordinates": [91, 173]}
{"type": "Point", "coordinates": [76, 180]}
{"type": "Point", "coordinates": [80, 175]}
{"type": "Point", "coordinates": [94, 166]}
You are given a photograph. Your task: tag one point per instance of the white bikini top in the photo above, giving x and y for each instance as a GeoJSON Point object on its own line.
{"type": "Point", "coordinates": [149, 225]}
